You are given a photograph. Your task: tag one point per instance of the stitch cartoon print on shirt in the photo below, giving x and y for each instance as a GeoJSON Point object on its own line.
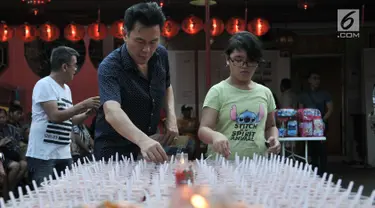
{"type": "Point", "coordinates": [246, 123]}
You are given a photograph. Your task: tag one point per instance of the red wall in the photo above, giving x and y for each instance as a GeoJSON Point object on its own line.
{"type": "Point", "coordinates": [84, 85]}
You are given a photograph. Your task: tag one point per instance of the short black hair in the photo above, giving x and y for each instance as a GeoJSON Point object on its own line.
{"type": "Point", "coordinates": [247, 42]}
{"type": "Point", "coordinates": [186, 108]}
{"type": "Point", "coordinates": [15, 108]}
{"type": "Point", "coordinates": [148, 14]}
{"type": "Point", "coordinates": [61, 55]}
{"type": "Point", "coordinates": [312, 72]}
{"type": "Point", "coordinates": [286, 83]}
{"type": "Point", "coordinates": [14, 102]}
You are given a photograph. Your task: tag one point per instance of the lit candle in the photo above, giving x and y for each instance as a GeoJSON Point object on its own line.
{"type": "Point", "coordinates": [199, 201]}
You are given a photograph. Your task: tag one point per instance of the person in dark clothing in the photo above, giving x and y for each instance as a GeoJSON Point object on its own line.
{"type": "Point", "coordinates": [134, 83]}
{"type": "Point", "coordinates": [317, 98]}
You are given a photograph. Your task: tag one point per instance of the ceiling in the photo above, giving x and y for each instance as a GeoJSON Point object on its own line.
{"type": "Point", "coordinates": [85, 11]}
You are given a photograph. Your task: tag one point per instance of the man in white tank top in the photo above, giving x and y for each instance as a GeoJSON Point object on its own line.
{"type": "Point", "coordinates": [53, 115]}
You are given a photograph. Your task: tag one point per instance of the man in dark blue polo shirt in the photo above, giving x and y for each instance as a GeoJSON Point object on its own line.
{"type": "Point", "coordinates": [134, 83]}
{"type": "Point", "coordinates": [317, 98]}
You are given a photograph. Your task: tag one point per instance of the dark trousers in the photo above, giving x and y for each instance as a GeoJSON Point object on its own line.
{"type": "Point", "coordinates": [318, 153]}
{"type": "Point", "coordinates": [40, 169]}
{"type": "Point", "coordinates": [102, 151]}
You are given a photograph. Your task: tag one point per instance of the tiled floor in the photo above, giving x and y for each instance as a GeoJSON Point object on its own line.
{"type": "Point", "coordinates": [359, 176]}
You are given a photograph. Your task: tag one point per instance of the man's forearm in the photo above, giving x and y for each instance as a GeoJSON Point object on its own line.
{"type": "Point", "coordinates": [169, 103]}
{"type": "Point", "coordinates": [64, 115]}
{"type": "Point", "coordinates": [119, 121]}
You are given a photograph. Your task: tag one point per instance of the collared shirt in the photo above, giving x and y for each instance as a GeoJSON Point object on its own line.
{"type": "Point", "coordinates": [141, 98]}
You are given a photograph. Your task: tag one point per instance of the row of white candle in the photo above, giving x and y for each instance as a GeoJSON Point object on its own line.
{"type": "Point", "coordinates": [273, 182]}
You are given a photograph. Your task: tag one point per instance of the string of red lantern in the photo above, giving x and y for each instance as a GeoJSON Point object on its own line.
{"type": "Point", "coordinates": [26, 32]}
{"type": "Point", "coordinates": [6, 33]}
{"type": "Point", "coordinates": [49, 32]}
{"type": "Point", "coordinates": [97, 31]}
{"type": "Point", "coordinates": [74, 32]}
{"type": "Point", "coordinates": [170, 29]}
{"type": "Point", "coordinates": [117, 29]}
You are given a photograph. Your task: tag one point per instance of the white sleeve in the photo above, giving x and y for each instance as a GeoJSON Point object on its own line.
{"type": "Point", "coordinates": [69, 93]}
{"type": "Point", "coordinates": [43, 92]}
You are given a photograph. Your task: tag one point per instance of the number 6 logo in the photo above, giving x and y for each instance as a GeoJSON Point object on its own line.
{"type": "Point", "coordinates": [348, 20]}
{"type": "Point", "coordinates": [345, 19]}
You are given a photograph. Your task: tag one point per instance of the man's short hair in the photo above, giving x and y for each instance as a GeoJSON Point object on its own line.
{"type": "Point", "coordinates": [286, 83]}
{"type": "Point", "coordinates": [312, 72]}
{"type": "Point", "coordinates": [148, 14]}
{"type": "Point", "coordinates": [61, 55]}
{"type": "Point", "coordinates": [186, 108]}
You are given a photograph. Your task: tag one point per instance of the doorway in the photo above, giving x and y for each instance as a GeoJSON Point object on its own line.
{"type": "Point", "coordinates": [330, 70]}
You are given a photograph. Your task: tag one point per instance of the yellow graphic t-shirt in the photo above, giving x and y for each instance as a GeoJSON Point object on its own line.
{"type": "Point", "coordinates": [242, 116]}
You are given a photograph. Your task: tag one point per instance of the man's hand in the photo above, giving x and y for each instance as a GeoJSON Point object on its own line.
{"type": "Point", "coordinates": [171, 130]}
{"type": "Point", "coordinates": [92, 103]}
{"type": "Point", "coordinates": [152, 150]}
{"type": "Point", "coordinates": [220, 145]}
{"type": "Point", "coordinates": [274, 145]}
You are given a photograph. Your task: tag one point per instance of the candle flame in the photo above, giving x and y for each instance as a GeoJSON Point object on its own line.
{"type": "Point", "coordinates": [198, 201]}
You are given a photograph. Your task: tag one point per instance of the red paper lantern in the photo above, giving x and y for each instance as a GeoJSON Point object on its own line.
{"type": "Point", "coordinates": [49, 32]}
{"type": "Point", "coordinates": [170, 29]}
{"type": "Point", "coordinates": [117, 29]}
{"type": "Point", "coordinates": [26, 32]}
{"type": "Point", "coordinates": [74, 32]}
{"type": "Point", "coordinates": [258, 26]}
{"type": "Point", "coordinates": [97, 31]}
{"type": "Point", "coordinates": [192, 25]}
{"type": "Point", "coordinates": [6, 32]}
{"type": "Point", "coordinates": [217, 27]}
{"type": "Point", "coordinates": [234, 25]}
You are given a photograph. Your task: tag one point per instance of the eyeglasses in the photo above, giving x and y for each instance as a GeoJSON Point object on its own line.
{"type": "Point", "coordinates": [244, 64]}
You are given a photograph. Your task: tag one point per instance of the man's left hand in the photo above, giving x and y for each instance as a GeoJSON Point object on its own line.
{"type": "Point", "coordinates": [274, 145]}
{"type": "Point", "coordinates": [171, 130]}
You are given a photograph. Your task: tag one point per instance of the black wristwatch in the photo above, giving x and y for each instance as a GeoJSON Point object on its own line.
{"type": "Point", "coordinates": [2, 157]}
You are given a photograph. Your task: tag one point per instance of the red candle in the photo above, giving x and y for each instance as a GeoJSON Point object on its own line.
{"type": "Point", "coordinates": [183, 176]}
{"type": "Point", "coordinates": [180, 177]}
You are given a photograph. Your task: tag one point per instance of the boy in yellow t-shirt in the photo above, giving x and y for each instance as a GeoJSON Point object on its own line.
{"type": "Point", "coordinates": [242, 116]}
{"type": "Point", "coordinates": [238, 114]}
